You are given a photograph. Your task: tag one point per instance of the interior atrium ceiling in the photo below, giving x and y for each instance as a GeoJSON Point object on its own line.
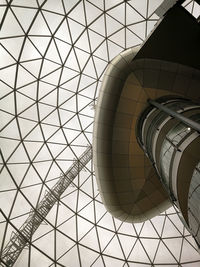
{"type": "Point", "coordinates": [52, 58]}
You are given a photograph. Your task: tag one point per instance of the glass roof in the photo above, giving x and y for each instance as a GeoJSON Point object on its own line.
{"type": "Point", "coordinates": [53, 56]}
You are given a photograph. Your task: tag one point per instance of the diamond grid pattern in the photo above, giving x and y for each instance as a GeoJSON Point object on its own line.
{"type": "Point", "coordinates": [53, 56]}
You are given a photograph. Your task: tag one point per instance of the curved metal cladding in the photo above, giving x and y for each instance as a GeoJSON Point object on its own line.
{"type": "Point", "coordinates": [127, 182]}
{"type": "Point", "coordinates": [129, 185]}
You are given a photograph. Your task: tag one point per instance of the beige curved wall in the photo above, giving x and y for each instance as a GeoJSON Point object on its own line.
{"type": "Point", "coordinates": [129, 187]}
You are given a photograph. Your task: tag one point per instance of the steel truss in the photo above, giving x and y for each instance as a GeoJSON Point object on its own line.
{"type": "Point", "coordinates": [18, 240]}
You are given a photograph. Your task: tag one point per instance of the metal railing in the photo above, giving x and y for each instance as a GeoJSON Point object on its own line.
{"type": "Point", "coordinates": [18, 240]}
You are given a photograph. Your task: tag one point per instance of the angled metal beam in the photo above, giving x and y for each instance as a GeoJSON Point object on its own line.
{"type": "Point", "coordinates": [18, 240]}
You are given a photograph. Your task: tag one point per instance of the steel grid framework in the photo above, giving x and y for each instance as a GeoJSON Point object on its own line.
{"type": "Point", "coordinates": [19, 239]}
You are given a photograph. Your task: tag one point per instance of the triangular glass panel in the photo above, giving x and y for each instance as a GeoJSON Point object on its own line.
{"type": "Point", "coordinates": [170, 229]}
{"type": "Point", "coordinates": [72, 62]}
{"type": "Point", "coordinates": [70, 200]}
{"type": "Point", "coordinates": [44, 154]}
{"type": "Point", "coordinates": [163, 255]}
{"type": "Point", "coordinates": [63, 244]}
{"type": "Point", "coordinates": [138, 227]}
{"type": "Point", "coordinates": [71, 84]}
{"type": "Point", "coordinates": [33, 67]}
{"type": "Point", "coordinates": [44, 89]}
{"type": "Point", "coordinates": [97, 26]}
{"type": "Point", "coordinates": [24, 77]}
{"type": "Point", "coordinates": [32, 3]}
{"type": "Point", "coordinates": [139, 6]}
{"type": "Point", "coordinates": [188, 251]}
{"type": "Point", "coordinates": [118, 12]}
{"type": "Point", "coordinates": [14, 46]}
{"type": "Point", "coordinates": [99, 210]}
{"type": "Point", "coordinates": [8, 75]}
{"type": "Point", "coordinates": [70, 258]}
{"type": "Point", "coordinates": [30, 113]}
{"type": "Point", "coordinates": [65, 115]}
{"type": "Point", "coordinates": [50, 98]}
{"type": "Point", "coordinates": [25, 126]}
{"type": "Point", "coordinates": [7, 30]}
{"type": "Point", "coordinates": [7, 183]}
{"type": "Point", "coordinates": [111, 4]}
{"type": "Point", "coordinates": [83, 201]}
{"type": "Point", "coordinates": [158, 223]}
{"type": "Point", "coordinates": [11, 130]}
{"type": "Point", "coordinates": [58, 137]}
{"type": "Point", "coordinates": [100, 66]}
{"type": "Point", "coordinates": [56, 149]}
{"type": "Point", "coordinates": [87, 186]}
{"type": "Point", "coordinates": [45, 243]}
{"type": "Point", "coordinates": [29, 90]}
{"type": "Point", "coordinates": [139, 253]}
{"type": "Point", "coordinates": [43, 168]}
{"type": "Point", "coordinates": [29, 51]}
{"type": "Point", "coordinates": [132, 39]}
{"type": "Point", "coordinates": [76, 29]}
{"type": "Point", "coordinates": [19, 155]}
{"type": "Point", "coordinates": [98, 262]}
{"type": "Point", "coordinates": [23, 102]}
{"type": "Point", "coordinates": [174, 245]}
{"type": "Point", "coordinates": [63, 32]}
{"type": "Point", "coordinates": [91, 240]}
{"type": "Point", "coordinates": [118, 38]}
{"type": "Point", "coordinates": [69, 104]}
{"type": "Point", "coordinates": [127, 228]}
{"type": "Point", "coordinates": [35, 135]}
{"type": "Point", "coordinates": [139, 29]}
{"type": "Point", "coordinates": [114, 249]}
{"type": "Point", "coordinates": [112, 25]}
{"type": "Point", "coordinates": [64, 214]}
{"type": "Point", "coordinates": [19, 173]}
{"type": "Point", "coordinates": [5, 119]}
{"type": "Point", "coordinates": [107, 222]}
{"type": "Point", "coordinates": [32, 148]}
{"type": "Point", "coordinates": [25, 16]}
{"type": "Point", "coordinates": [148, 230]}
{"type": "Point", "coordinates": [83, 227]}
{"type": "Point", "coordinates": [87, 256]}
{"type": "Point", "coordinates": [95, 39]}
{"type": "Point", "coordinates": [39, 26]}
{"type": "Point", "coordinates": [86, 81]}
{"type": "Point", "coordinates": [41, 43]}
{"type": "Point", "coordinates": [82, 57]}
{"type": "Point", "coordinates": [83, 43]}
{"type": "Point", "coordinates": [63, 49]}
{"type": "Point", "coordinates": [127, 243]}
{"type": "Point", "coordinates": [102, 51]}
{"type": "Point", "coordinates": [54, 7]}
{"type": "Point", "coordinates": [5, 89]}
{"type": "Point", "coordinates": [91, 12]}
{"type": "Point", "coordinates": [52, 53]}
{"type": "Point", "coordinates": [37, 255]}
{"type": "Point", "coordinates": [9, 196]}
{"type": "Point", "coordinates": [73, 123]}
{"type": "Point", "coordinates": [45, 110]}
{"type": "Point", "coordinates": [150, 246]}
{"type": "Point", "coordinates": [87, 212]}
{"type": "Point", "coordinates": [53, 19]}
{"type": "Point", "coordinates": [78, 14]}
{"type": "Point", "coordinates": [21, 205]}
{"type": "Point", "coordinates": [7, 59]}
{"type": "Point", "coordinates": [114, 49]}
